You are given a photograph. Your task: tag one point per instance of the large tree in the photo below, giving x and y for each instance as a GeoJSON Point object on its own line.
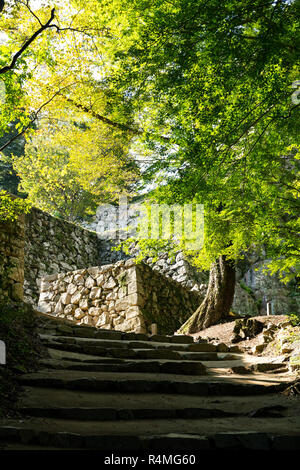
{"type": "Point", "coordinates": [215, 80]}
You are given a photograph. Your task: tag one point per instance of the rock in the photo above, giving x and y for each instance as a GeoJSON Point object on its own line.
{"type": "Point", "coordinates": [93, 272]}
{"type": "Point", "coordinates": [182, 339]}
{"type": "Point", "coordinates": [100, 280]}
{"type": "Point", "coordinates": [71, 289]}
{"type": "Point", "coordinates": [258, 348]}
{"type": "Point", "coordinates": [266, 367]}
{"type": "Point", "coordinates": [65, 329]}
{"type": "Point", "coordinates": [111, 296]}
{"type": "Point", "coordinates": [132, 312]}
{"type": "Point", "coordinates": [65, 298]}
{"type": "Point", "coordinates": [241, 370]}
{"type": "Point", "coordinates": [75, 299]}
{"type": "Point", "coordinates": [247, 328]}
{"type": "Point", "coordinates": [87, 321]}
{"type": "Point", "coordinates": [59, 308]}
{"type": "Point", "coordinates": [109, 284]}
{"type": "Point", "coordinates": [79, 314]}
{"type": "Point", "coordinates": [133, 324]}
{"type": "Point", "coordinates": [222, 347]}
{"type": "Point", "coordinates": [118, 320]}
{"type": "Point", "coordinates": [84, 304]}
{"type": "Point", "coordinates": [121, 304]}
{"type": "Point", "coordinates": [95, 293]}
{"type": "Point", "coordinates": [90, 282]}
{"type": "Point", "coordinates": [79, 279]}
{"type": "Point", "coordinates": [95, 312]}
{"type": "Point", "coordinates": [234, 349]}
{"type": "Point", "coordinates": [103, 319]}
{"type": "Point", "coordinates": [69, 309]}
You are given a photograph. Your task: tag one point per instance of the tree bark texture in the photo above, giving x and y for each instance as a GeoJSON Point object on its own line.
{"type": "Point", "coordinates": [218, 298]}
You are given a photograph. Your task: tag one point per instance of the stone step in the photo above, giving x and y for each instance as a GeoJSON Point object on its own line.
{"type": "Point", "coordinates": [106, 343]}
{"type": "Point", "coordinates": [175, 440]}
{"type": "Point", "coordinates": [60, 398]}
{"type": "Point", "coordinates": [78, 358]}
{"type": "Point", "coordinates": [113, 414]}
{"type": "Point", "coordinates": [136, 354]}
{"type": "Point", "coordinates": [61, 327]}
{"type": "Point", "coordinates": [135, 413]}
{"type": "Point", "coordinates": [136, 349]}
{"type": "Point", "coordinates": [154, 383]}
{"type": "Point", "coordinates": [167, 367]}
{"type": "Point", "coordinates": [59, 354]}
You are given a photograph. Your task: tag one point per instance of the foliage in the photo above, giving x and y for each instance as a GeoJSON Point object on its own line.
{"type": "Point", "coordinates": [11, 208]}
{"type": "Point", "coordinates": [204, 89]}
{"type": "Point", "coordinates": [17, 330]}
{"type": "Point", "coordinates": [88, 162]}
{"type": "Point", "coordinates": [8, 178]}
{"type": "Point", "coordinates": [295, 319]}
{"type": "Point", "coordinates": [68, 169]}
{"type": "Point", "coordinates": [215, 81]}
{"type": "Point", "coordinates": [17, 323]}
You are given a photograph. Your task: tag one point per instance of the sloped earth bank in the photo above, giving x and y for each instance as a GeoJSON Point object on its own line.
{"type": "Point", "coordinates": [108, 390]}
{"type": "Point", "coordinates": [223, 332]}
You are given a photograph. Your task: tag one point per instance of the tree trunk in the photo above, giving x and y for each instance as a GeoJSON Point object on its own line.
{"type": "Point", "coordinates": [218, 298]}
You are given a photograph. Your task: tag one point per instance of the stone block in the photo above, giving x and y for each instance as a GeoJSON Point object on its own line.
{"type": "Point", "coordinates": [132, 287]}
{"type": "Point", "coordinates": [95, 293]}
{"type": "Point", "coordinates": [70, 309]}
{"type": "Point", "coordinates": [110, 283]}
{"type": "Point", "coordinates": [121, 304]}
{"type": "Point", "coordinates": [94, 311]}
{"type": "Point", "coordinates": [100, 280]}
{"type": "Point", "coordinates": [135, 299]}
{"type": "Point", "coordinates": [135, 324]}
{"type": "Point", "coordinates": [71, 289]}
{"type": "Point", "coordinates": [65, 298]}
{"type": "Point", "coordinates": [59, 308]}
{"type": "Point", "coordinates": [103, 319]}
{"type": "Point", "coordinates": [75, 299]}
{"type": "Point", "coordinates": [93, 272]}
{"type": "Point", "coordinates": [78, 279]}
{"type": "Point", "coordinates": [90, 282]}
{"type": "Point", "coordinates": [87, 321]}
{"type": "Point", "coordinates": [84, 304]}
{"type": "Point", "coordinates": [79, 314]}
{"type": "Point", "coordinates": [118, 320]}
{"type": "Point", "coordinates": [132, 312]}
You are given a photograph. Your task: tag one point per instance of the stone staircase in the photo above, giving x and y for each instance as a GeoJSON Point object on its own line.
{"type": "Point", "coordinates": [108, 390]}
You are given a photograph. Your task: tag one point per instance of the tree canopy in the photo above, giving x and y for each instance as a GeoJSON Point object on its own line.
{"type": "Point", "coordinates": [206, 88]}
{"type": "Point", "coordinates": [70, 167]}
{"type": "Point", "coordinates": [216, 79]}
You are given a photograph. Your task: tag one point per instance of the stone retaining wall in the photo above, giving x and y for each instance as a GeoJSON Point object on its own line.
{"type": "Point", "coordinates": [178, 269]}
{"type": "Point", "coordinates": [54, 245]}
{"type": "Point", "coordinates": [123, 296]}
{"type": "Point", "coordinates": [12, 259]}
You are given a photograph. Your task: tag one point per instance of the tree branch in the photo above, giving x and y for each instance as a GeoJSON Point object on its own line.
{"type": "Point", "coordinates": [118, 125]}
{"type": "Point", "coordinates": [109, 122]}
{"type": "Point", "coordinates": [27, 43]}
{"type": "Point", "coordinates": [33, 119]}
